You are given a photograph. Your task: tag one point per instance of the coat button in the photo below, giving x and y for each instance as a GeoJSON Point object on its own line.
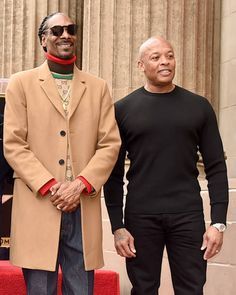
{"type": "Point", "coordinates": [61, 162]}
{"type": "Point", "coordinates": [62, 133]}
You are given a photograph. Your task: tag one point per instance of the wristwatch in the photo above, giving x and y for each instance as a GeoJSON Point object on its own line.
{"type": "Point", "coordinates": [220, 226]}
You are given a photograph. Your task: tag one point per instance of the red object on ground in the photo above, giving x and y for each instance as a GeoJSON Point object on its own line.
{"type": "Point", "coordinates": [12, 282]}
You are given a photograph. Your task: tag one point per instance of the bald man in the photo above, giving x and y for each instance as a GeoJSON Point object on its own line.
{"type": "Point", "coordinates": [163, 127]}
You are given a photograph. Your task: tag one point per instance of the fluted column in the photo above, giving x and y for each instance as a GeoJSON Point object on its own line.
{"type": "Point", "coordinates": [19, 22]}
{"type": "Point", "coordinates": [114, 30]}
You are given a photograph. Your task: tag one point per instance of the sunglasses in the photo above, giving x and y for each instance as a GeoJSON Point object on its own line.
{"type": "Point", "coordinates": [59, 30]}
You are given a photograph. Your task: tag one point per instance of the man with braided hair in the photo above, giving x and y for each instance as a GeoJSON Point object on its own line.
{"type": "Point", "coordinates": [61, 139]}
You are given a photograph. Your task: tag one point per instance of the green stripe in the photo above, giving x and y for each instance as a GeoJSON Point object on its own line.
{"type": "Point", "coordinates": [62, 76]}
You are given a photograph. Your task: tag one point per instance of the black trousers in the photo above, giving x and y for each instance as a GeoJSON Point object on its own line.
{"type": "Point", "coordinates": [182, 234]}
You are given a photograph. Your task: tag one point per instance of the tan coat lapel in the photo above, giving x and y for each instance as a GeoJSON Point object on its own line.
{"type": "Point", "coordinates": [49, 86]}
{"type": "Point", "coordinates": [77, 91]}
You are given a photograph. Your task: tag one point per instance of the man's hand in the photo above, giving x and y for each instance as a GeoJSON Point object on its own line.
{"type": "Point", "coordinates": [55, 188]}
{"type": "Point", "coordinates": [212, 242]}
{"type": "Point", "coordinates": [66, 197]}
{"type": "Point", "coordinates": [124, 243]}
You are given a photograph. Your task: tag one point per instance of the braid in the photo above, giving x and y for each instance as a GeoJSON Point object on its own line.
{"type": "Point", "coordinates": [43, 27]}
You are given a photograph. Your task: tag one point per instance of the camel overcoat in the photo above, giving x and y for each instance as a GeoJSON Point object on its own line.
{"type": "Point", "coordinates": [34, 145]}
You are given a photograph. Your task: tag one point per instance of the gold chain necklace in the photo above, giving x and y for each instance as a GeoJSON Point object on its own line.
{"type": "Point", "coordinates": [65, 99]}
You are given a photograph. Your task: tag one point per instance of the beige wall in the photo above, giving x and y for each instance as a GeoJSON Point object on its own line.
{"type": "Point", "coordinates": [114, 30]}
{"type": "Point", "coordinates": [224, 266]}
{"type": "Point", "coordinates": [227, 83]}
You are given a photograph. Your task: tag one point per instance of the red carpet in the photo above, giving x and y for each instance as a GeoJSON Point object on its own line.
{"type": "Point", "coordinates": [12, 282]}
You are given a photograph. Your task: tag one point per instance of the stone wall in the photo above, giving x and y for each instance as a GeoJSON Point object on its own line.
{"type": "Point", "coordinates": [227, 83]}
{"type": "Point", "coordinates": [114, 30]}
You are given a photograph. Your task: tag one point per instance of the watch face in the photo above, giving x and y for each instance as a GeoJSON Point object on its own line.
{"type": "Point", "coordinates": [220, 226]}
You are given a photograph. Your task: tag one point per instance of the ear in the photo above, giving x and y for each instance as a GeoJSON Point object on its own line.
{"type": "Point", "coordinates": [44, 40]}
{"type": "Point", "coordinates": [141, 65]}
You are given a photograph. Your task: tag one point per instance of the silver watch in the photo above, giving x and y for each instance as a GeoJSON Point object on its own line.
{"type": "Point", "coordinates": [220, 226]}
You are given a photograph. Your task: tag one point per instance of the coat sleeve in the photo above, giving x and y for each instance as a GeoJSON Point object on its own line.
{"type": "Point", "coordinates": [16, 148]}
{"type": "Point", "coordinates": [101, 164]}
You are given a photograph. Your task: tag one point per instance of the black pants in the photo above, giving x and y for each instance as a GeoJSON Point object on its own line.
{"type": "Point", "coordinates": [182, 234]}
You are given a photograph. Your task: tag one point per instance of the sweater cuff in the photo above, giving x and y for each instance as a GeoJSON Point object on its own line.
{"type": "Point", "coordinates": [116, 217]}
{"type": "Point", "coordinates": [46, 187]}
{"type": "Point", "coordinates": [88, 188]}
{"type": "Point", "coordinates": [219, 213]}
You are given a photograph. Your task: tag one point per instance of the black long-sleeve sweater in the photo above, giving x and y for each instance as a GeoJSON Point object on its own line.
{"type": "Point", "coordinates": [162, 134]}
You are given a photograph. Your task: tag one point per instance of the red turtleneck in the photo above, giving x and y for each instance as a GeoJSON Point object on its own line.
{"type": "Point", "coordinates": [60, 60]}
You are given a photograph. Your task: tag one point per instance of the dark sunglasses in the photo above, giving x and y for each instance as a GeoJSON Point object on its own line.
{"type": "Point", "coordinates": [59, 30]}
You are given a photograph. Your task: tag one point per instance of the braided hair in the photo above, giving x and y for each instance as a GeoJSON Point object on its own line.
{"type": "Point", "coordinates": [43, 27]}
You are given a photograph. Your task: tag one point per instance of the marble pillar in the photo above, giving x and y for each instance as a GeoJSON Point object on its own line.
{"type": "Point", "coordinates": [114, 30]}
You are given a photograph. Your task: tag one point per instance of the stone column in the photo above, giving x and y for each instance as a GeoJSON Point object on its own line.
{"type": "Point", "coordinates": [114, 30]}
{"type": "Point", "coordinates": [19, 22]}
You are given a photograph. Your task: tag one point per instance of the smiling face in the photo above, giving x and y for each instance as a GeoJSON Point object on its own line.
{"type": "Point", "coordinates": [60, 46]}
{"type": "Point", "coordinates": [157, 61]}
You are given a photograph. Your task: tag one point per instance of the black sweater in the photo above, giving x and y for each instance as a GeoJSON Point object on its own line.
{"type": "Point", "coordinates": [162, 134]}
